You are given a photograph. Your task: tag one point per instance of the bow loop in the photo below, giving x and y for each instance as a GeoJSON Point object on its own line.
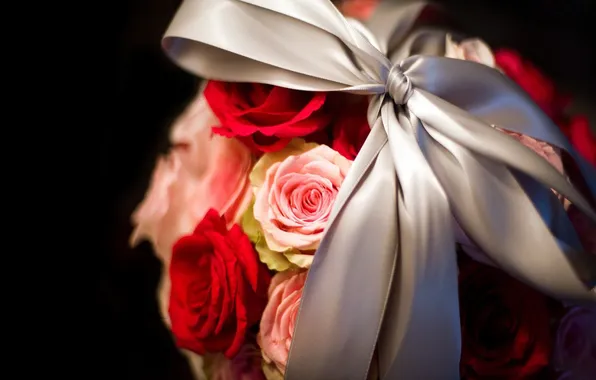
{"type": "Point", "coordinates": [398, 86]}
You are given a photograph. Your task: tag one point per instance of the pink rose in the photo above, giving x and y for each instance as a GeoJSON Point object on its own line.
{"type": "Point", "coordinates": [294, 201]}
{"type": "Point", "coordinates": [575, 345]}
{"type": "Point", "coordinates": [191, 179]}
{"type": "Point", "coordinates": [279, 317]}
{"type": "Point", "coordinates": [543, 149]}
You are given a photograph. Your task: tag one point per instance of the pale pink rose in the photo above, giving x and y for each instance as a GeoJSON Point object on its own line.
{"type": "Point", "coordinates": [202, 171]}
{"type": "Point", "coordinates": [279, 317]}
{"type": "Point", "coordinates": [295, 200]}
{"type": "Point", "coordinates": [472, 49]}
{"type": "Point", "coordinates": [544, 150]}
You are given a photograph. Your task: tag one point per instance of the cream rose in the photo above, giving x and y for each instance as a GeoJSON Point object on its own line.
{"type": "Point", "coordinates": [277, 325]}
{"type": "Point", "coordinates": [295, 190]}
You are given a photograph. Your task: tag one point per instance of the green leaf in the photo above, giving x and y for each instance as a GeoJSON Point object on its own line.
{"type": "Point", "coordinates": [276, 261]}
{"type": "Point", "coordinates": [250, 225]}
{"type": "Point", "coordinates": [299, 259]}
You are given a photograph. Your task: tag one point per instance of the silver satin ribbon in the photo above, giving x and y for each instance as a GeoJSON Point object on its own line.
{"type": "Point", "coordinates": [383, 283]}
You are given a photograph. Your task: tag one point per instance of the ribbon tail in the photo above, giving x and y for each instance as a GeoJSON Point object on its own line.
{"type": "Point", "coordinates": [494, 99]}
{"type": "Point", "coordinates": [347, 286]}
{"type": "Point", "coordinates": [420, 338]}
{"type": "Point", "coordinates": [492, 206]}
{"type": "Point", "coordinates": [466, 130]}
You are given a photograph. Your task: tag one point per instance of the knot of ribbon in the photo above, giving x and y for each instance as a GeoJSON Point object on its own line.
{"type": "Point", "coordinates": [383, 282]}
{"type": "Point", "coordinates": [398, 86]}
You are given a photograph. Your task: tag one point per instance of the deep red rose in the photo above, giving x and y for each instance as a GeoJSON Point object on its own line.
{"type": "Point", "coordinates": [506, 332]}
{"type": "Point", "coordinates": [351, 128]}
{"type": "Point", "coordinates": [219, 288]}
{"type": "Point", "coordinates": [266, 117]}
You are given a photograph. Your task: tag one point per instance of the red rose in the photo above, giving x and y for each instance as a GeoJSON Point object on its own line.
{"type": "Point", "coordinates": [351, 128]}
{"type": "Point", "coordinates": [266, 117]}
{"type": "Point", "coordinates": [537, 85]}
{"type": "Point", "coordinates": [505, 325]}
{"type": "Point", "coordinates": [219, 288]}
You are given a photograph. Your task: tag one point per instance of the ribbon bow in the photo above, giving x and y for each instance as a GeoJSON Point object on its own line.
{"type": "Point", "coordinates": [383, 282]}
{"type": "Point", "coordinates": [398, 86]}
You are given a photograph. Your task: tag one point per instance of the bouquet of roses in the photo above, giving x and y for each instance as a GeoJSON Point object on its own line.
{"type": "Point", "coordinates": [239, 207]}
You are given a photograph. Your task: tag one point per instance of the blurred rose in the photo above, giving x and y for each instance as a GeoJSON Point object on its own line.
{"type": "Point", "coordinates": [279, 317]}
{"type": "Point", "coordinates": [191, 179]}
{"type": "Point", "coordinates": [505, 325]}
{"type": "Point", "coordinates": [295, 192]}
{"type": "Point", "coordinates": [575, 347]}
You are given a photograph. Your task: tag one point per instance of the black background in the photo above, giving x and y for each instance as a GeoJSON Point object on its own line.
{"type": "Point", "coordinates": [151, 91]}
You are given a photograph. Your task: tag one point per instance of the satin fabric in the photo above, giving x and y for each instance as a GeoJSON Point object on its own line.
{"type": "Point", "coordinates": [383, 282]}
